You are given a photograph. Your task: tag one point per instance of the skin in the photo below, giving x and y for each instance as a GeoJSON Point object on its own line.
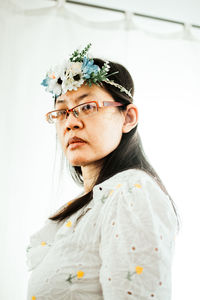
{"type": "Point", "coordinates": [102, 131]}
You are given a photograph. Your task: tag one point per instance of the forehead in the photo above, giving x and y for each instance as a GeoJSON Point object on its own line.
{"type": "Point", "coordinates": [66, 100]}
{"type": "Point", "coordinates": [75, 96]}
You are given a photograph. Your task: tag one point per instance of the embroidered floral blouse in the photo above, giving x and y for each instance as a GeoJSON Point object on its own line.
{"type": "Point", "coordinates": [121, 248]}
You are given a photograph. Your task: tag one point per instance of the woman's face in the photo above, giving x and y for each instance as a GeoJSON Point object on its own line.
{"type": "Point", "coordinates": [101, 132]}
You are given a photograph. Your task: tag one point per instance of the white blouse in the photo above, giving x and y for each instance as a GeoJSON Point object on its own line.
{"type": "Point", "coordinates": [121, 248]}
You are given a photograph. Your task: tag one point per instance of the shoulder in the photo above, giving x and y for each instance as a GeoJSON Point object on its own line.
{"type": "Point", "coordinates": [129, 180]}
{"type": "Point", "coordinates": [136, 194]}
{"type": "Point", "coordinates": [138, 178]}
{"type": "Point", "coordinates": [129, 173]}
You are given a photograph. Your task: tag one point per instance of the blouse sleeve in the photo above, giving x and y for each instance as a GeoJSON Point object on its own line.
{"type": "Point", "coordinates": [137, 242]}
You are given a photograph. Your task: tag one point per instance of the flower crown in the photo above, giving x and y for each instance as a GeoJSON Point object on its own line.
{"type": "Point", "coordinates": [77, 70]}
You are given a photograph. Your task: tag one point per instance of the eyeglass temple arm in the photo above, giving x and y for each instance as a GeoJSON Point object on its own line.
{"type": "Point", "coordinates": [110, 103]}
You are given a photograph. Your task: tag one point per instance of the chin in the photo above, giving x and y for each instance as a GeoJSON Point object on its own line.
{"type": "Point", "coordinates": [78, 162]}
{"type": "Point", "coordinates": [82, 159]}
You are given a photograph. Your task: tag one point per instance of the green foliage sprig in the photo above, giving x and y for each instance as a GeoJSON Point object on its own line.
{"type": "Point", "coordinates": [101, 75]}
{"type": "Point", "coordinates": [78, 56]}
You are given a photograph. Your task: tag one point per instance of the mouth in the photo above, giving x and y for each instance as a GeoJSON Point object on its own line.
{"type": "Point", "coordinates": [76, 144]}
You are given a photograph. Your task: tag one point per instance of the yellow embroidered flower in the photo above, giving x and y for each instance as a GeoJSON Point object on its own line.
{"type": "Point", "coordinates": [137, 185]}
{"type": "Point", "coordinates": [111, 192]}
{"type": "Point", "coordinates": [33, 298]}
{"type": "Point", "coordinates": [117, 186]}
{"type": "Point", "coordinates": [138, 269]}
{"type": "Point", "coordinates": [43, 243]}
{"type": "Point", "coordinates": [80, 274]}
{"type": "Point", "coordinates": [69, 224]}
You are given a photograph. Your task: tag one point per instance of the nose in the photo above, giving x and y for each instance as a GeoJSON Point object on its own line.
{"type": "Point", "coordinates": [72, 122]}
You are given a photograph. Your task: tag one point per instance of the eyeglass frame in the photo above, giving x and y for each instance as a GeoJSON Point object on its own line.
{"type": "Point", "coordinates": [99, 105]}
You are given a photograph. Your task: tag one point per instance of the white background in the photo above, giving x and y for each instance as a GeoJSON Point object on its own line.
{"type": "Point", "coordinates": [164, 61]}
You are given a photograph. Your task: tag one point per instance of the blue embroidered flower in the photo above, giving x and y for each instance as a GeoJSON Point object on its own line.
{"type": "Point", "coordinates": [88, 67]}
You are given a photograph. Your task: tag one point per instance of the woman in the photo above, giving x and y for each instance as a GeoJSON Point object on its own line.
{"type": "Point", "coordinates": [116, 239]}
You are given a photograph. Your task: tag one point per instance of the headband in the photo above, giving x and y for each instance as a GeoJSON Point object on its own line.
{"type": "Point", "coordinates": [71, 74]}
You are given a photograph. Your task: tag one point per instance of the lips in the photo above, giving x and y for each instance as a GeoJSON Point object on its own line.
{"type": "Point", "coordinates": [75, 140]}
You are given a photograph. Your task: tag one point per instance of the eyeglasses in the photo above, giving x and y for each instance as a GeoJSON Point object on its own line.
{"type": "Point", "coordinates": [81, 111]}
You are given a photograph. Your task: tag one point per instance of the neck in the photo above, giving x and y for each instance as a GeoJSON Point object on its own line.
{"type": "Point", "coordinates": [90, 174]}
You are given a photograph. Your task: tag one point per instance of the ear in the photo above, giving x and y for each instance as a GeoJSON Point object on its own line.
{"type": "Point", "coordinates": [130, 118]}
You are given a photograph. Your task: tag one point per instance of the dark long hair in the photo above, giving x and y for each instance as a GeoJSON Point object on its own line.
{"type": "Point", "coordinates": [128, 155]}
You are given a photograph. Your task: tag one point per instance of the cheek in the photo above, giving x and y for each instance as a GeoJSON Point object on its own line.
{"type": "Point", "coordinates": [103, 136]}
{"type": "Point", "coordinates": [106, 137]}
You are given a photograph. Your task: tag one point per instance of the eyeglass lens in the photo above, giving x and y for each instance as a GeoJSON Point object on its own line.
{"type": "Point", "coordinates": [83, 110]}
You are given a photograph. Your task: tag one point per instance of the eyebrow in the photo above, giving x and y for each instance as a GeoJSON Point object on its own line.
{"type": "Point", "coordinates": [76, 100]}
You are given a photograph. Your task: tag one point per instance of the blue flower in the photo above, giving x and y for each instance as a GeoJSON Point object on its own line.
{"type": "Point", "coordinates": [45, 81]}
{"type": "Point", "coordinates": [88, 67]}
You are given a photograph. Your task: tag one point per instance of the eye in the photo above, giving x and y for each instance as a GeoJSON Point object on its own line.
{"type": "Point", "coordinates": [56, 115]}
{"type": "Point", "coordinates": [61, 112]}
{"type": "Point", "coordinates": [88, 107]}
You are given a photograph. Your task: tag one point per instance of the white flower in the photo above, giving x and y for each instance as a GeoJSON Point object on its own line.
{"type": "Point", "coordinates": [72, 76]}
{"type": "Point", "coordinates": [76, 67]}
{"type": "Point", "coordinates": [71, 84]}
{"type": "Point", "coordinates": [72, 69]}
{"type": "Point", "coordinates": [55, 75]}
